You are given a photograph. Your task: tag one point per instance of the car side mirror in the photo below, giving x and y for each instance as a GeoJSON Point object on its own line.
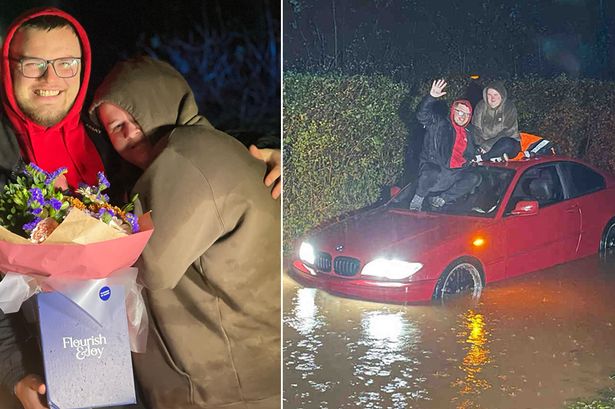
{"type": "Point", "coordinates": [525, 208]}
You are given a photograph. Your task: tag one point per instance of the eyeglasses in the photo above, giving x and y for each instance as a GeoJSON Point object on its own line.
{"type": "Point", "coordinates": [65, 67]}
{"type": "Point", "coordinates": [461, 113]}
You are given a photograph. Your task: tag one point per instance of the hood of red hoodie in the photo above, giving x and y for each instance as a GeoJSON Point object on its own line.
{"type": "Point", "coordinates": [464, 102]}
{"type": "Point", "coordinates": [65, 144]}
{"type": "Point", "coordinates": [18, 119]}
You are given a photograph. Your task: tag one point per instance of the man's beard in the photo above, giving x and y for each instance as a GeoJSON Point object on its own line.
{"type": "Point", "coordinates": [41, 118]}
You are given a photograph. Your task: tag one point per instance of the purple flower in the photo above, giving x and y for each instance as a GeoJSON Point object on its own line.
{"type": "Point", "coordinates": [103, 183]}
{"type": "Point", "coordinates": [37, 211]}
{"type": "Point", "coordinates": [133, 221]}
{"type": "Point", "coordinates": [36, 197]}
{"type": "Point", "coordinates": [55, 203]}
{"type": "Point", "coordinates": [102, 197]}
{"type": "Point", "coordinates": [54, 175]}
{"type": "Point", "coordinates": [34, 167]}
{"type": "Point", "coordinates": [28, 227]}
{"type": "Point", "coordinates": [103, 211]}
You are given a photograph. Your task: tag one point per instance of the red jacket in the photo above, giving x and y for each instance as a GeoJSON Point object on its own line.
{"type": "Point", "coordinates": [65, 144]}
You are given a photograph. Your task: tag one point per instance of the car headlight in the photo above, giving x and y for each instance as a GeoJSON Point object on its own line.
{"type": "Point", "coordinates": [391, 269]}
{"type": "Point", "coordinates": [306, 253]}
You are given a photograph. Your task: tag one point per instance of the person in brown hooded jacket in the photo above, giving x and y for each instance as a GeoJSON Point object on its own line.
{"type": "Point", "coordinates": [212, 266]}
{"type": "Point", "coordinates": [496, 126]}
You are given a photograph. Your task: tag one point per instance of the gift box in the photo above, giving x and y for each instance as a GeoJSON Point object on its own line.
{"type": "Point", "coordinates": [85, 345]}
{"type": "Point", "coordinates": [76, 248]}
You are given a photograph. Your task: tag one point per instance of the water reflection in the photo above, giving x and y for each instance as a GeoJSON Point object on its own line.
{"type": "Point", "coordinates": [474, 338]}
{"type": "Point", "coordinates": [387, 365]}
{"type": "Point", "coordinates": [305, 320]}
{"type": "Point", "coordinates": [531, 342]}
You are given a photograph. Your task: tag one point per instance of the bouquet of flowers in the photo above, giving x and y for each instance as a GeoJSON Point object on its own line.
{"type": "Point", "coordinates": [38, 220]}
{"type": "Point", "coordinates": [32, 206]}
{"type": "Point", "coordinates": [78, 250]}
{"type": "Point", "coordinates": [52, 238]}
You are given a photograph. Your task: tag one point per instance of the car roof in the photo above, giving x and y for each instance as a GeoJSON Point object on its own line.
{"type": "Point", "coordinates": [525, 163]}
{"type": "Point", "coordinates": [521, 165]}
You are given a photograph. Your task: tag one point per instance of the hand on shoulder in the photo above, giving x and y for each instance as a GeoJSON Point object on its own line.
{"type": "Point", "coordinates": [273, 159]}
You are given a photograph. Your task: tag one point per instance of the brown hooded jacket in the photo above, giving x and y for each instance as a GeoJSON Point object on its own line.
{"type": "Point", "coordinates": [212, 266]}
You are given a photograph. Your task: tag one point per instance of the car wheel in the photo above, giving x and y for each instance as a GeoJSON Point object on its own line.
{"type": "Point", "coordinates": [607, 243]}
{"type": "Point", "coordinates": [461, 277]}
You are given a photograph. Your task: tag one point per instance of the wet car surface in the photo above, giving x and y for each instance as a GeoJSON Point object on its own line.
{"type": "Point", "coordinates": [522, 217]}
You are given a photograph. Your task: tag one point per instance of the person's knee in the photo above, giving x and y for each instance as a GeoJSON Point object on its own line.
{"type": "Point", "coordinates": [511, 146]}
{"type": "Point", "coordinates": [475, 179]}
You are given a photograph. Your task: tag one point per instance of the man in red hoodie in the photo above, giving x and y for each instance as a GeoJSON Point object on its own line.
{"type": "Point", "coordinates": [447, 149]}
{"type": "Point", "coordinates": [46, 63]}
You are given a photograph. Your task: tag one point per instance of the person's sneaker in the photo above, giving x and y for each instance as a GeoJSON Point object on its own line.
{"type": "Point", "coordinates": [436, 201]}
{"type": "Point", "coordinates": [503, 158]}
{"type": "Point", "coordinates": [416, 203]}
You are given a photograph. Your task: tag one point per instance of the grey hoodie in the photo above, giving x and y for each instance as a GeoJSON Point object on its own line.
{"type": "Point", "coordinates": [492, 124]}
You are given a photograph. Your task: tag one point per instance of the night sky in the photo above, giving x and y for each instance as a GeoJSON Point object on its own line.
{"type": "Point", "coordinates": [418, 37]}
{"type": "Point", "coordinates": [115, 26]}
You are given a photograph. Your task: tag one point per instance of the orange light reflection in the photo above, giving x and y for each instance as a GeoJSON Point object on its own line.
{"type": "Point", "coordinates": [475, 338]}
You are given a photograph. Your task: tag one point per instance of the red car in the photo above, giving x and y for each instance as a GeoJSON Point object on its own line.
{"type": "Point", "coordinates": [523, 216]}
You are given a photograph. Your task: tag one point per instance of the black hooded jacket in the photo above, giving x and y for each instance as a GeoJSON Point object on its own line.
{"type": "Point", "coordinates": [440, 135]}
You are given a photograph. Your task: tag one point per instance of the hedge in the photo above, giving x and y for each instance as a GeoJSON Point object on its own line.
{"type": "Point", "coordinates": [343, 140]}
{"type": "Point", "coordinates": [346, 137]}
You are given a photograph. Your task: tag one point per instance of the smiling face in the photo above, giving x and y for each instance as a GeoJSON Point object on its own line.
{"type": "Point", "coordinates": [126, 135]}
{"type": "Point", "coordinates": [461, 114]}
{"type": "Point", "coordinates": [45, 100]}
{"type": "Point", "coordinates": [494, 99]}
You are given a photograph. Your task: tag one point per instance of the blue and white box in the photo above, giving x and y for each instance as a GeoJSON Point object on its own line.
{"type": "Point", "coordinates": [86, 351]}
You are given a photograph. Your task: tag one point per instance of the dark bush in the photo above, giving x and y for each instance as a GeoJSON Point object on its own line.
{"type": "Point", "coordinates": [235, 74]}
{"type": "Point", "coordinates": [343, 141]}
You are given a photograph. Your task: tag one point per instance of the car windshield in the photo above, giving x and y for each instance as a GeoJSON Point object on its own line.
{"type": "Point", "coordinates": [483, 201]}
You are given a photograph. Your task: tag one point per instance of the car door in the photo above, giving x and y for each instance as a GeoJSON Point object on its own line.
{"type": "Point", "coordinates": [586, 188]}
{"type": "Point", "coordinates": [544, 239]}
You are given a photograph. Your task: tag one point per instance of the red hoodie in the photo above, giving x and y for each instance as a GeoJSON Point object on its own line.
{"type": "Point", "coordinates": [65, 144]}
{"type": "Point", "coordinates": [461, 136]}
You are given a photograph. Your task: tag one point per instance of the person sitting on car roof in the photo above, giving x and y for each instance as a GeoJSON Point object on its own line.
{"type": "Point", "coordinates": [448, 147]}
{"type": "Point", "coordinates": [496, 126]}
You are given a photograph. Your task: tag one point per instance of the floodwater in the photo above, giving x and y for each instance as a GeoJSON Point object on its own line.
{"type": "Point", "coordinates": [538, 341]}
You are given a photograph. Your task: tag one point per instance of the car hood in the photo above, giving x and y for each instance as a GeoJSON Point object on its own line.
{"type": "Point", "coordinates": [388, 232]}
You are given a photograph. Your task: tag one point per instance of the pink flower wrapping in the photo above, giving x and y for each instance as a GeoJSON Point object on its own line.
{"type": "Point", "coordinates": [80, 248]}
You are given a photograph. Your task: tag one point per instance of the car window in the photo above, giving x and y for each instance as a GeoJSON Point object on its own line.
{"type": "Point", "coordinates": [540, 183]}
{"type": "Point", "coordinates": [483, 201]}
{"type": "Point", "coordinates": [581, 180]}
